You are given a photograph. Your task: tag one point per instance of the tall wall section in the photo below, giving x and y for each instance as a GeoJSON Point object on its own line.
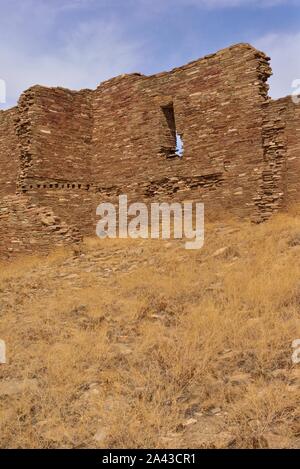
{"type": "Point", "coordinates": [279, 182]}
{"type": "Point", "coordinates": [54, 129]}
{"type": "Point", "coordinates": [215, 104]}
{"type": "Point", "coordinates": [292, 134]}
{"type": "Point", "coordinates": [9, 153]}
{"type": "Point", "coordinates": [80, 148]}
{"type": "Point", "coordinates": [271, 194]}
{"type": "Point", "coordinates": [68, 151]}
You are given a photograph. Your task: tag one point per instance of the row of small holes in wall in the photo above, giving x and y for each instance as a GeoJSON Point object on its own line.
{"type": "Point", "coordinates": [56, 186]}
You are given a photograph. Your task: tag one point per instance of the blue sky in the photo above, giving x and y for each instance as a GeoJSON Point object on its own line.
{"type": "Point", "coordinates": [79, 43]}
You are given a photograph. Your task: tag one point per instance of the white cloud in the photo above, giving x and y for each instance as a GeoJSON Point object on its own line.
{"type": "Point", "coordinates": [230, 3]}
{"type": "Point", "coordinates": [213, 4]}
{"type": "Point", "coordinates": [81, 57]}
{"type": "Point", "coordinates": [285, 61]}
{"type": "Point", "coordinates": [44, 48]}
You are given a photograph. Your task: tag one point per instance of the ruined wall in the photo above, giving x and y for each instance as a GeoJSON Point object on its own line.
{"type": "Point", "coordinates": [217, 109]}
{"type": "Point", "coordinates": [9, 153]}
{"type": "Point", "coordinates": [25, 227]}
{"type": "Point", "coordinates": [72, 202]}
{"type": "Point", "coordinates": [292, 135]}
{"type": "Point", "coordinates": [279, 175]}
{"type": "Point", "coordinates": [126, 143]}
{"type": "Point", "coordinates": [271, 194]}
{"type": "Point", "coordinates": [80, 148]}
{"type": "Point", "coordinates": [54, 129]}
{"type": "Point", "coordinates": [68, 151]}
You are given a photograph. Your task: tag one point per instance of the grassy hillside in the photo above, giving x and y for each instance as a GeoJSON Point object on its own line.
{"type": "Point", "coordinates": [135, 343]}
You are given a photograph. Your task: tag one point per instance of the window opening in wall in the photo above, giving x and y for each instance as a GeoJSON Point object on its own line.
{"type": "Point", "coordinates": [172, 145]}
{"type": "Point", "coordinates": [179, 146]}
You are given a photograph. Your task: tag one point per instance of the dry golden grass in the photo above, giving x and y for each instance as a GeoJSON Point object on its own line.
{"type": "Point", "coordinates": [143, 344]}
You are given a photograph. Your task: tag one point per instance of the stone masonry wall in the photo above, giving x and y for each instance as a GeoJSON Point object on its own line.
{"type": "Point", "coordinates": [217, 104]}
{"type": "Point", "coordinates": [78, 149]}
{"type": "Point", "coordinates": [54, 129]}
{"type": "Point", "coordinates": [68, 151]}
{"type": "Point", "coordinates": [26, 228]}
{"type": "Point", "coordinates": [9, 160]}
{"type": "Point", "coordinates": [272, 173]}
{"type": "Point", "coordinates": [72, 202]}
{"type": "Point", "coordinates": [279, 178]}
{"type": "Point", "coordinates": [292, 135]}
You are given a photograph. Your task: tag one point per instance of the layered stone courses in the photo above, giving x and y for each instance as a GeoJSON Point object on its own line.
{"type": "Point", "coordinates": [68, 151]}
